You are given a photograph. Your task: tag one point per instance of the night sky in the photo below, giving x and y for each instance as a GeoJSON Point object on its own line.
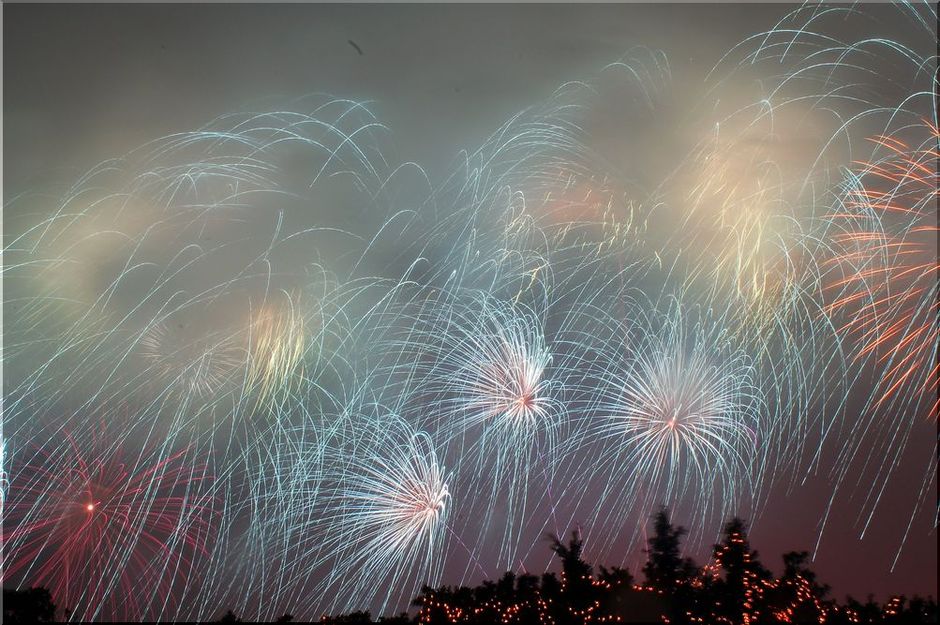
{"type": "Point", "coordinates": [243, 307]}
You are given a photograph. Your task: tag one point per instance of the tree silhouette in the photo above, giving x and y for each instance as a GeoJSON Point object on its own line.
{"type": "Point", "coordinates": [578, 593]}
{"type": "Point", "coordinates": [733, 589]}
{"type": "Point", "coordinates": [230, 617]}
{"type": "Point", "coordinates": [666, 569]}
{"type": "Point", "coordinates": [740, 579]}
{"type": "Point", "coordinates": [28, 606]}
{"type": "Point", "coordinates": [355, 618]}
{"type": "Point", "coordinates": [797, 596]}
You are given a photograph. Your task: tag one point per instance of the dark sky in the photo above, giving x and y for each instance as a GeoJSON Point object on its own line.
{"type": "Point", "coordinates": [85, 83]}
{"type": "Point", "coordinates": [89, 82]}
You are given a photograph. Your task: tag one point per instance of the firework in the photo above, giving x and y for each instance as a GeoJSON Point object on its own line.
{"type": "Point", "coordinates": [891, 261]}
{"type": "Point", "coordinates": [397, 506]}
{"type": "Point", "coordinates": [639, 291]}
{"type": "Point", "coordinates": [277, 345]}
{"type": "Point", "coordinates": [679, 416]}
{"type": "Point", "coordinates": [3, 472]}
{"type": "Point", "coordinates": [494, 398]}
{"type": "Point", "coordinates": [380, 520]}
{"type": "Point", "coordinates": [192, 362]}
{"type": "Point", "coordinates": [113, 535]}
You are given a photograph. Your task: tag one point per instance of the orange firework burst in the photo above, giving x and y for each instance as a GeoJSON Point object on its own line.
{"type": "Point", "coordinates": [889, 255]}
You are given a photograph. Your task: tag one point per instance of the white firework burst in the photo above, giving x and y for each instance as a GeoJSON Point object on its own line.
{"type": "Point", "coordinates": [679, 407]}
{"type": "Point", "coordinates": [380, 519]}
{"type": "Point", "coordinates": [399, 503]}
{"type": "Point", "coordinates": [498, 370]}
{"type": "Point", "coordinates": [679, 417]}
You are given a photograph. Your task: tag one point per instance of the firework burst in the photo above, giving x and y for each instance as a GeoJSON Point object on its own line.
{"type": "Point", "coordinates": [634, 293]}
{"type": "Point", "coordinates": [680, 415]}
{"type": "Point", "coordinates": [112, 534]}
{"type": "Point", "coordinates": [890, 256]}
{"type": "Point", "coordinates": [193, 363]}
{"type": "Point", "coordinates": [386, 520]}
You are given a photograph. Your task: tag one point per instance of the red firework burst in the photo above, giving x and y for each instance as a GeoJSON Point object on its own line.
{"type": "Point", "coordinates": [890, 248]}
{"type": "Point", "coordinates": [108, 538]}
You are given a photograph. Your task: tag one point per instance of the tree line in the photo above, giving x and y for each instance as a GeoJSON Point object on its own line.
{"type": "Point", "coordinates": [734, 588]}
